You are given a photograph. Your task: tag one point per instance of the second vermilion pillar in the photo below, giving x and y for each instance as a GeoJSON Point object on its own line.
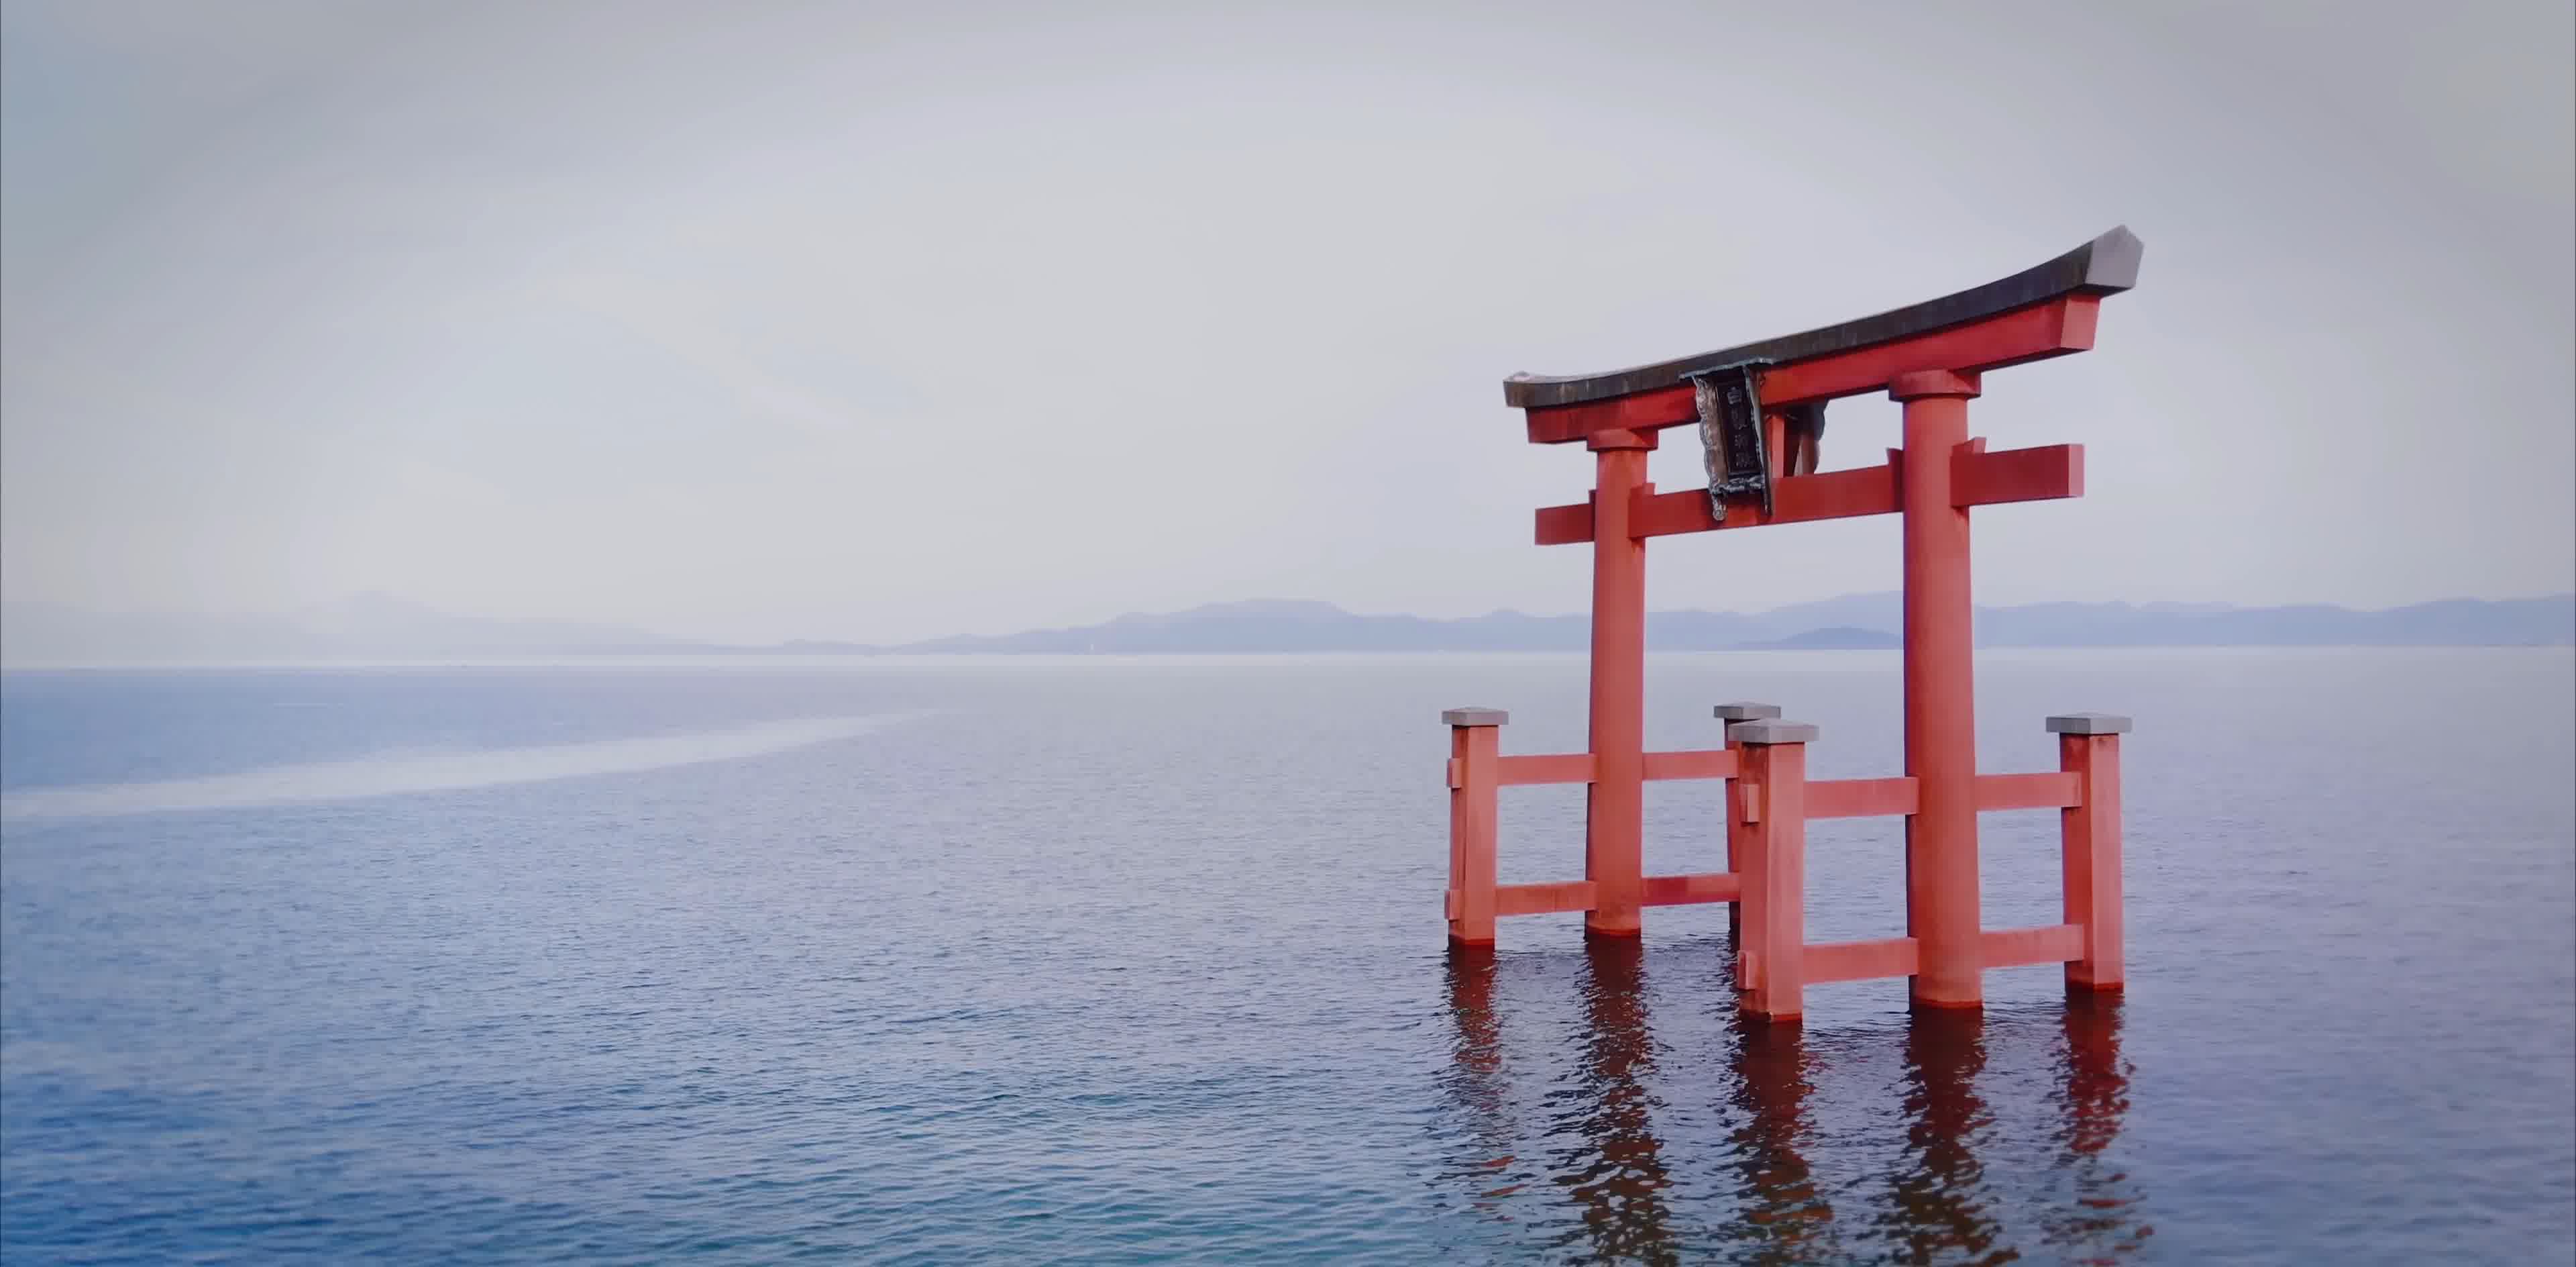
{"type": "Point", "coordinates": [1941, 903]}
{"type": "Point", "coordinates": [1614, 826]}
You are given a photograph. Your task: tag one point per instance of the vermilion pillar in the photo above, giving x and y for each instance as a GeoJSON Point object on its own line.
{"type": "Point", "coordinates": [1738, 829]}
{"type": "Point", "coordinates": [2088, 747]}
{"type": "Point", "coordinates": [1474, 735]}
{"type": "Point", "coordinates": [1613, 855]}
{"type": "Point", "coordinates": [1775, 871]}
{"type": "Point", "coordinates": [1941, 906]}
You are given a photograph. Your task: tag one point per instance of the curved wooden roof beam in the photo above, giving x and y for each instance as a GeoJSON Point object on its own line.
{"type": "Point", "coordinates": [2040, 312]}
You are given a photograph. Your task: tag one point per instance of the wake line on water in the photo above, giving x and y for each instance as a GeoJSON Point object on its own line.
{"type": "Point", "coordinates": [398, 774]}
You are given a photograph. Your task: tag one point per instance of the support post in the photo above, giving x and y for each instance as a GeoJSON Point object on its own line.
{"type": "Point", "coordinates": [1614, 826]}
{"type": "Point", "coordinates": [2088, 747]}
{"type": "Point", "coordinates": [1941, 901]}
{"type": "Point", "coordinates": [1736, 828]}
{"type": "Point", "coordinates": [1775, 875]}
{"type": "Point", "coordinates": [1474, 743]}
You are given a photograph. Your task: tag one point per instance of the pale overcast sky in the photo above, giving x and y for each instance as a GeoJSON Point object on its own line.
{"type": "Point", "coordinates": [759, 320]}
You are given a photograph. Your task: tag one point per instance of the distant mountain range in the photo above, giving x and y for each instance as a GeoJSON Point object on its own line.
{"type": "Point", "coordinates": [1855, 622]}
{"type": "Point", "coordinates": [379, 627]}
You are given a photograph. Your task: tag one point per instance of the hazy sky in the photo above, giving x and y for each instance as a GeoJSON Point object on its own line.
{"type": "Point", "coordinates": [759, 320]}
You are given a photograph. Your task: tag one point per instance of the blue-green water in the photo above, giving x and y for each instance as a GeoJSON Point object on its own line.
{"type": "Point", "coordinates": [1114, 961]}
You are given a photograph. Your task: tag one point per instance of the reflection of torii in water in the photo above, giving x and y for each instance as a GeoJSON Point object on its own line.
{"type": "Point", "coordinates": [2104, 1221]}
{"type": "Point", "coordinates": [1618, 1174]}
{"type": "Point", "coordinates": [1477, 1051]}
{"type": "Point", "coordinates": [1939, 1207]}
{"type": "Point", "coordinates": [1783, 1214]}
{"type": "Point", "coordinates": [1622, 1185]}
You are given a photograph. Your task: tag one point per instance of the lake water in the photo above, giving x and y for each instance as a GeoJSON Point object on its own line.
{"type": "Point", "coordinates": [1004, 961]}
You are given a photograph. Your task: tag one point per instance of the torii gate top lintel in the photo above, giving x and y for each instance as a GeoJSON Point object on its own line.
{"type": "Point", "coordinates": [2040, 312]}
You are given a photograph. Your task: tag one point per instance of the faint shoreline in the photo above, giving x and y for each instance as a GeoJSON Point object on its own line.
{"type": "Point", "coordinates": [1036, 659]}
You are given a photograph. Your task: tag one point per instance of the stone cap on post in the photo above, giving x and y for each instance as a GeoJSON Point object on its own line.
{"type": "Point", "coordinates": [1741, 710]}
{"type": "Point", "coordinates": [1763, 731]}
{"type": "Point", "coordinates": [2088, 724]}
{"type": "Point", "coordinates": [1474, 717]}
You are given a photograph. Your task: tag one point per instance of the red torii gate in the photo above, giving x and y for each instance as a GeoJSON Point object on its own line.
{"type": "Point", "coordinates": [1756, 406]}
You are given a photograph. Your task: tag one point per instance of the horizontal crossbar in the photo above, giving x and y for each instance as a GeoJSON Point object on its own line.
{"type": "Point", "coordinates": [1543, 899]}
{"type": "Point", "coordinates": [1826, 798]}
{"type": "Point", "coordinates": [1875, 798]}
{"type": "Point", "coordinates": [1571, 767]}
{"type": "Point", "coordinates": [2053, 790]}
{"type": "Point", "coordinates": [1577, 767]}
{"type": "Point", "coordinates": [1690, 890]}
{"type": "Point", "coordinates": [1860, 960]}
{"type": "Point", "coordinates": [1559, 767]}
{"type": "Point", "coordinates": [2013, 947]}
{"type": "Point", "coordinates": [1977, 478]}
{"type": "Point", "coordinates": [1867, 490]}
{"type": "Point", "coordinates": [1900, 956]}
{"type": "Point", "coordinates": [2044, 473]}
{"type": "Point", "coordinates": [1578, 895]}
{"type": "Point", "coordinates": [1706, 763]}
{"type": "Point", "coordinates": [1531, 899]}
{"type": "Point", "coordinates": [1859, 798]}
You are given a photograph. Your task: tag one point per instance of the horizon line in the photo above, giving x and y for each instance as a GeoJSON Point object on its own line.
{"type": "Point", "coordinates": [628, 626]}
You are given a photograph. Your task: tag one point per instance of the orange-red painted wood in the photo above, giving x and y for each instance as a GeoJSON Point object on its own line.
{"type": "Point", "coordinates": [1859, 798]}
{"type": "Point", "coordinates": [1471, 834]}
{"type": "Point", "coordinates": [1775, 883]}
{"type": "Point", "coordinates": [1690, 890]}
{"type": "Point", "coordinates": [2091, 837]}
{"type": "Point", "coordinates": [1576, 895]}
{"type": "Point", "coordinates": [2017, 475]}
{"type": "Point", "coordinates": [1564, 525]}
{"type": "Point", "coordinates": [1707, 763]}
{"type": "Point", "coordinates": [1739, 833]}
{"type": "Point", "coordinates": [1529, 899]}
{"type": "Point", "coordinates": [1576, 767]}
{"type": "Point", "coordinates": [1941, 898]}
{"type": "Point", "coordinates": [1867, 490]}
{"type": "Point", "coordinates": [1745, 858]}
{"type": "Point", "coordinates": [2028, 791]}
{"type": "Point", "coordinates": [2013, 947]}
{"type": "Point", "coordinates": [1977, 479]}
{"type": "Point", "coordinates": [1645, 411]}
{"type": "Point", "coordinates": [1570, 767]}
{"type": "Point", "coordinates": [1544, 899]}
{"type": "Point", "coordinates": [2044, 330]}
{"type": "Point", "coordinates": [1860, 960]}
{"type": "Point", "coordinates": [1826, 798]}
{"type": "Point", "coordinates": [1614, 817]}
{"type": "Point", "coordinates": [2035, 333]}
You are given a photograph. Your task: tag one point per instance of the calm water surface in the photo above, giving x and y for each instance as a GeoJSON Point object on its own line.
{"type": "Point", "coordinates": [1122, 961]}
